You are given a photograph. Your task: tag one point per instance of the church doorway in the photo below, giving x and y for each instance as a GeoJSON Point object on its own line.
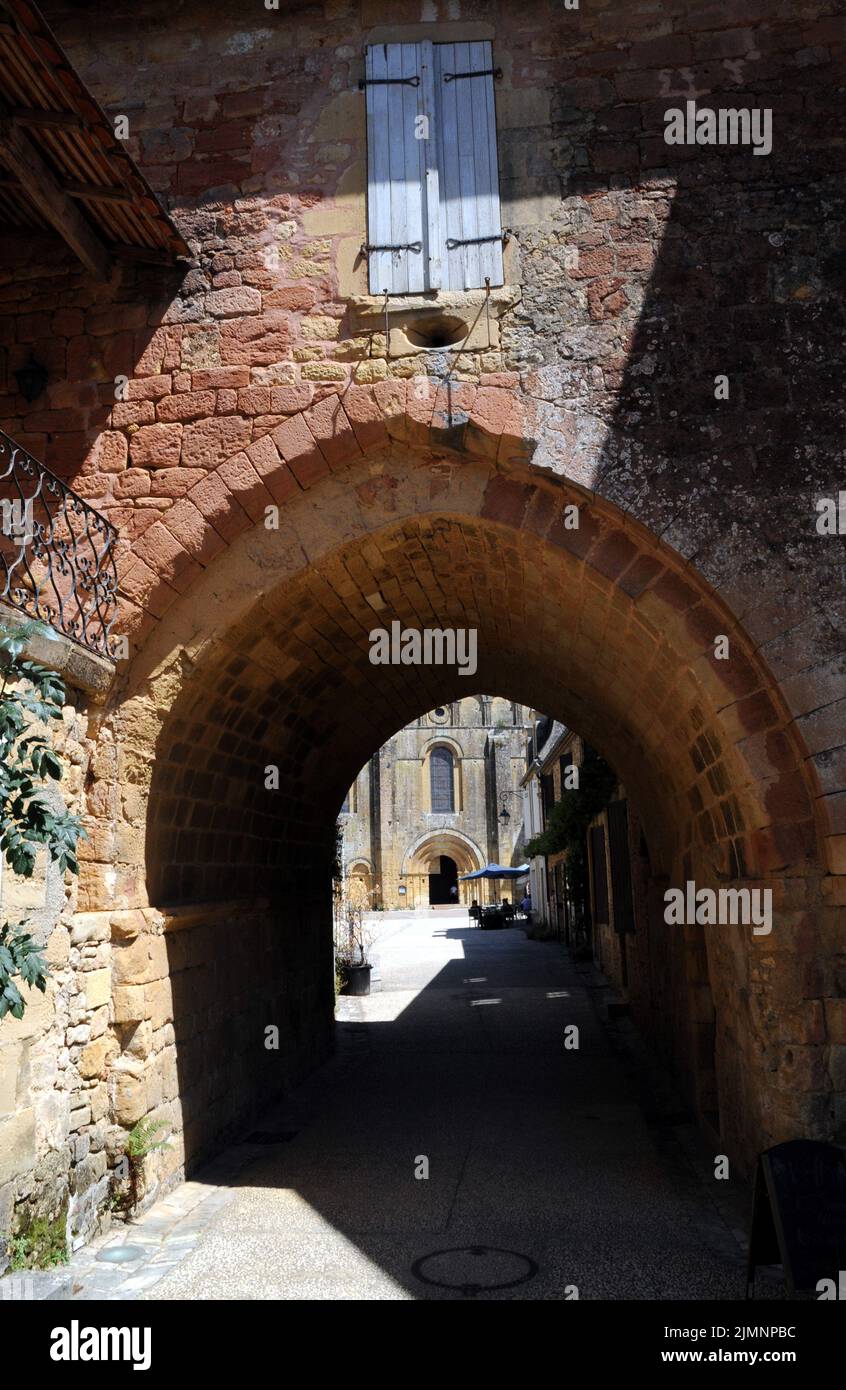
{"type": "Point", "coordinates": [442, 883]}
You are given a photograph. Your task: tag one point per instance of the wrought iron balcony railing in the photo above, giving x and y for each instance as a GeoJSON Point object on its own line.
{"type": "Point", "coordinates": [57, 559]}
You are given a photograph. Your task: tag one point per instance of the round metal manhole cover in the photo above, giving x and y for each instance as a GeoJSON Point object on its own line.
{"type": "Point", "coordinates": [121, 1254]}
{"type": "Point", "coordinates": [472, 1269]}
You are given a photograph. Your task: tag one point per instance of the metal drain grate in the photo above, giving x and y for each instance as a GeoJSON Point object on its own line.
{"type": "Point", "coordinates": [474, 1269]}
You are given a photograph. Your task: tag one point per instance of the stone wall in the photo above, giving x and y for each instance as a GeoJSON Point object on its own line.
{"type": "Point", "coordinates": [53, 1096]}
{"type": "Point", "coordinates": [259, 376]}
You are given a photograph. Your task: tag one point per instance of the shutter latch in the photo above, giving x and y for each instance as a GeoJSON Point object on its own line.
{"type": "Point", "coordinates": [452, 242]}
{"type": "Point", "coordinates": [388, 82]}
{"type": "Point", "coordinates": [367, 249]}
{"type": "Point", "coordinates": [482, 72]}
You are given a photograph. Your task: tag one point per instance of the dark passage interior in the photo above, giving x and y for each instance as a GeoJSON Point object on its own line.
{"type": "Point", "coordinates": [442, 883]}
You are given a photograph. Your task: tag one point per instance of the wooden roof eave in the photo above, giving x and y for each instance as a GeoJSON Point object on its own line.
{"type": "Point", "coordinates": [34, 144]}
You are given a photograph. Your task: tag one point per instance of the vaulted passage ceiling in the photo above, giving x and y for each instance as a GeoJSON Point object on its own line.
{"type": "Point", "coordinates": [290, 685]}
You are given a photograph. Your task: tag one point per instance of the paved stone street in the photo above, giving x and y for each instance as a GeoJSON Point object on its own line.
{"type": "Point", "coordinates": [542, 1154]}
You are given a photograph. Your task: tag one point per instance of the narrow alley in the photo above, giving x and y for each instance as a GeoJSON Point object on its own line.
{"type": "Point", "coordinates": [545, 1176]}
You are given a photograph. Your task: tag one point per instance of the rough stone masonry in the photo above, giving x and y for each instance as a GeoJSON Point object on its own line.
{"type": "Point", "coordinates": [432, 482]}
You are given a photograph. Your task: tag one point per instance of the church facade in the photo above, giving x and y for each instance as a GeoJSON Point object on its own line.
{"type": "Point", "coordinates": [440, 799]}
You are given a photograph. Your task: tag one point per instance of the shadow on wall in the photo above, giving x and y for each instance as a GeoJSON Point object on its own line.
{"type": "Point", "coordinates": [726, 423]}
{"type": "Point", "coordinates": [725, 402]}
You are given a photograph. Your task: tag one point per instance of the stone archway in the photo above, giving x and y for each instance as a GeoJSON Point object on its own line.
{"type": "Point", "coordinates": [624, 652]}
{"type": "Point", "coordinates": [422, 858]}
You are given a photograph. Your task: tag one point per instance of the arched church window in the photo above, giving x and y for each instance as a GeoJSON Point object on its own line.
{"type": "Point", "coordinates": [441, 780]}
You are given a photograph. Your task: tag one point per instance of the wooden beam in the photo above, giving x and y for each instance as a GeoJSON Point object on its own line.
{"type": "Point", "coordinates": [97, 194]}
{"type": "Point", "coordinates": [24, 161]}
{"type": "Point", "coordinates": [59, 120]}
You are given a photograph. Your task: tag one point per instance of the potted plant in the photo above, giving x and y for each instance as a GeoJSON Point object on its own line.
{"type": "Point", "coordinates": [352, 946]}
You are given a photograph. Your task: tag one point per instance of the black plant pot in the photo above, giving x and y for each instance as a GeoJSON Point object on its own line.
{"type": "Point", "coordinates": [356, 979]}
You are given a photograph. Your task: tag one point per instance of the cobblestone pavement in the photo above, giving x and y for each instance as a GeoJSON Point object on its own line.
{"type": "Point", "coordinates": [549, 1169]}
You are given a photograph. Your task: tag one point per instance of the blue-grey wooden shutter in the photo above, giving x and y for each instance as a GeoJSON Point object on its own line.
{"type": "Point", "coordinates": [396, 168]}
{"type": "Point", "coordinates": [465, 120]}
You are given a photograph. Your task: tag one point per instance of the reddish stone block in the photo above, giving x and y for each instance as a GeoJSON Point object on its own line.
{"type": "Point", "coordinates": [638, 256]}
{"type": "Point", "coordinates": [125, 413]}
{"type": "Point", "coordinates": [254, 400]}
{"type": "Point", "coordinates": [145, 589]}
{"type": "Point", "coordinates": [299, 298]}
{"type": "Point", "coordinates": [54, 421]}
{"type": "Point", "coordinates": [118, 355]}
{"type": "Point", "coordinates": [149, 388]}
{"type": "Point", "coordinates": [264, 456]}
{"type": "Point", "coordinates": [288, 400]}
{"type": "Point", "coordinates": [174, 482]}
{"type": "Point", "coordinates": [165, 555]}
{"type": "Point", "coordinates": [233, 303]}
{"type": "Point", "coordinates": [639, 575]}
{"type": "Point", "coordinates": [246, 485]}
{"type": "Point", "coordinates": [542, 508]}
{"type": "Point", "coordinates": [675, 592]}
{"type": "Point", "coordinates": [135, 482]}
{"type": "Point", "coordinates": [614, 554]}
{"type": "Point", "coordinates": [156, 446]}
{"type": "Point", "coordinates": [757, 712]}
{"type": "Point", "coordinates": [508, 380]}
{"type": "Point", "coordinates": [213, 498]}
{"type": "Point", "coordinates": [191, 405]}
{"type": "Point", "coordinates": [209, 442]}
{"type": "Point", "coordinates": [255, 341]}
{"type": "Point", "coordinates": [110, 452]}
{"type": "Point", "coordinates": [160, 353]}
{"type": "Point", "coordinates": [788, 798]}
{"type": "Point", "coordinates": [67, 323]}
{"type": "Point", "coordinates": [216, 378]}
{"type": "Point", "coordinates": [226, 135]}
{"type": "Point", "coordinates": [365, 416]}
{"type": "Point", "coordinates": [493, 412]}
{"type": "Point", "coordinates": [297, 446]}
{"type": "Point", "coordinates": [333, 432]}
{"type": "Point", "coordinates": [506, 501]}
{"type": "Point", "coordinates": [580, 539]}
{"type": "Point", "coordinates": [308, 470]}
{"type": "Point", "coordinates": [248, 103]}
{"type": "Point", "coordinates": [606, 299]}
{"type": "Point", "coordinates": [193, 531]}
{"type": "Point", "coordinates": [737, 673]}
{"type": "Point", "coordinates": [390, 396]}
{"type": "Point", "coordinates": [115, 318]}
{"type": "Point", "coordinates": [598, 260]}
{"type": "Point", "coordinates": [197, 176]}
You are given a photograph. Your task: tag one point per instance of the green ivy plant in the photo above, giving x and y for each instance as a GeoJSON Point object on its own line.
{"type": "Point", "coordinates": [570, 817]}
{"type": "Point", "coordinates": [30, 694]}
